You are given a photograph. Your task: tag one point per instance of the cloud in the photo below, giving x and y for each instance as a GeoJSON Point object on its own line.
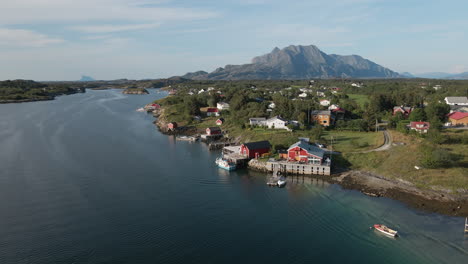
{"type": "Point", "coordinates": [25, 38]}
{"type": "Point", "coordinates": [114, 28]}
{"type": "Point", "coordinates": [47, 11]}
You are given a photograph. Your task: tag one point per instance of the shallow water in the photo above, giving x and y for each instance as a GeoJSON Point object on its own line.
{"type": "Point", "coordinates": [87, 179]}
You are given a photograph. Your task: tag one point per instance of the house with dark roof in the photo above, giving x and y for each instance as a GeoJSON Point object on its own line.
{"type": "Point", "coordinates": [255, 149]}
{"type": "Point", "coordinates": [211, 131]}
{"type": "Point", "coordinates": [308, 153]}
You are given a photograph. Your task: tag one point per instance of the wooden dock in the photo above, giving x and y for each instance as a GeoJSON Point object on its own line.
{"type": "Point", "coordinates": [298, 168]}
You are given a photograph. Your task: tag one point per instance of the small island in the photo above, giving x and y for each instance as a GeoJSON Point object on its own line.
{"type": "Point", "coordinates": [135, 91]}
{"type": "Point", "coordinates": [19, 91]}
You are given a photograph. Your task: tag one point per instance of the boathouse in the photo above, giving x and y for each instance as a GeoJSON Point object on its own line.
{"type": "Point", "coordinates": [212, 131]}
{"type": "Point", "coordinates": [255, 149]}
{"type": "Point", "coordinates": [172, 126]}
{"type": "Point", "coordinates": [306, 153]}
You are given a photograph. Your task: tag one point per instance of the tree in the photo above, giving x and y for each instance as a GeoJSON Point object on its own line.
{"type": "Point", "coordinates": [417, 114]}
{"type": "Point", "coordinates": [437, 110]}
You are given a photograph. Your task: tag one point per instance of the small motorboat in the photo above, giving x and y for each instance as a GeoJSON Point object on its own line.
{"type": "Point", "coordinates": [187, 138]}
{"type": "Point", "coordinates": [141, 109]}
{"type": "Point", "coordinates": [225, 164]}
{"type": "Point", "coordinates": [387, 231]}
{"type": "Point", "coordinates": [281, 181]}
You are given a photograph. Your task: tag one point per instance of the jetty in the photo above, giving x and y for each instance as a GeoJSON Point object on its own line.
{"type": "Point", "coordinates": [232, 153]}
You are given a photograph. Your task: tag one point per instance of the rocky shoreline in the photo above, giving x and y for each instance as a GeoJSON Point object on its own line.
{"type": "Point", "coordinates": [368, 183]}
{"type": "Point", "coordinates": [377, 186]}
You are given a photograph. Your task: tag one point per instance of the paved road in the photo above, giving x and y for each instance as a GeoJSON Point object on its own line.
{"type": "Point", "coordinates": [387, 144]}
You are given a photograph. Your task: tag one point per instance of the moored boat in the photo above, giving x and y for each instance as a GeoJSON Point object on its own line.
{"type": "Point", "coordinates": [141, 109]}
{"type": "Point", "coordinates": [387, 231]}
{"type": "Point", "coordinates": [225, 164]}
{"type": "Point", "coordinates": [281, 182]}
{"type": "Point", "coordinates": [186, 138]}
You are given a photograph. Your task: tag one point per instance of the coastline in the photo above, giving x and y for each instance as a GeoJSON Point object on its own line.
{"type": "Point", "coordinates": [368, 183]}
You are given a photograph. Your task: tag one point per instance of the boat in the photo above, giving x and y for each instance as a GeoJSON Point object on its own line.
{"type": "Point", "coordinates": [466, 225]}
{"type": "Point", "coordinates": [141, 109]}
{"type": "Point", "coordinates": [387, 231]}
{"type": "Point", "coordinates": [281, 181]}
{"type": "Point", "coordinates": [186, 138]}
{"type": "Point", "coordinates": [225, 164]}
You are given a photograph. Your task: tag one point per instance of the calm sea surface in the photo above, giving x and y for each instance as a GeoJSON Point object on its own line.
{"type": "Point", "coordinates": [87, 179]}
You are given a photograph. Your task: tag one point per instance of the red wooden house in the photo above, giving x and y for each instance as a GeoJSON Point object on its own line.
{"type": "Point", "coordinates": [404, 110]}
{"type": "Point", "coordinates": [172, 126]}
{"type": "Point", "coordinates": [211, 131]}
{"type": "Point", "coordinates": [421, 127]}
{"type": "Point", "coordinates": [212, 111]}
{"type": "Point", "coordinates": [255, 149]}
{"type": "Point", "coordinates": [305, 152]}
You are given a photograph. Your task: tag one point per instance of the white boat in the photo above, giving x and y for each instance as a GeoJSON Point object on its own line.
{"type": "Point", "coordinates": [186, 138]}
{"type": "Point", "coordinates": [225, 164]}
{"type": "Point", "coordinates": [141, 109]}
{"type": "Point", "coordinates": [281, 182]}
{"type": "Point", "coordinates": [387, 231]}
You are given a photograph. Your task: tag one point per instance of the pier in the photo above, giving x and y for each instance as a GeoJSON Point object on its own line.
{"type": "Point", "coordinates": [298, 168]}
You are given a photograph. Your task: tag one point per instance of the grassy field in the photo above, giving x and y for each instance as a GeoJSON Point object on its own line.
{"type": "Point", "coordinates": [399, 162]}
{"type": "Point", "coordinates": [350, 141]}
{"type": "Point", "coordinates": [359, 98]}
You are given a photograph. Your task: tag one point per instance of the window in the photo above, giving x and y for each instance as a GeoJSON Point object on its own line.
{"type": "Point", "coordinates": [324, 121]}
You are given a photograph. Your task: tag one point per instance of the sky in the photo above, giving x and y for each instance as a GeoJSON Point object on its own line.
{"type": "Point", "coordinates": [142, 39]}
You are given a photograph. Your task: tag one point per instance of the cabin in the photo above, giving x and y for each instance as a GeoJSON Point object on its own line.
{"type": "Point", "coordinates": [212, 131]}
{"type": "Point", "coordinates": [456, 100]}
{"type": "Point", "coordinates": [220, 121]}
{"type": "Point", "coordinates": [324, 118]}
{"type": "Point", "coordinates": [307, 153]}
{"type": "Point", "coordinates": [404, 110]}
{"type": "Point", "coordinates": [420, 127]}
{"type": "Point", "coordinates": [255, 149]}
{"type": "Point", "coordinates": [458, 119]}
{"type": "Point", "coordinates": [212, 111]}
{"type": "Point", "coordinates": [172, 126]}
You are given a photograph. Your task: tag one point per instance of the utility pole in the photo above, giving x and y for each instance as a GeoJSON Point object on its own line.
{"type": "Point", "coordinates": [376, 125]}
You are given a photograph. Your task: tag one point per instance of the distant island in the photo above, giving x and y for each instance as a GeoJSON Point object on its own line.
{"type": "Point", "coordinates": [85, 78]}
{"type": "Point", "coordinates": [298, 63]}
{"type": "Point", "coordinates": [135, 91]}
{"type": "Point", "coordinates": [18, 91]}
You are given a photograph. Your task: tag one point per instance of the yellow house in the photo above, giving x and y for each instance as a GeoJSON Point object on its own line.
{"type": "Point", "coordinates": [324, 118]}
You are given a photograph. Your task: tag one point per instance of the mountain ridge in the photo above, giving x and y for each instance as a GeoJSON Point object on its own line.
{"type": "Point", "coordinates": [298, 62]}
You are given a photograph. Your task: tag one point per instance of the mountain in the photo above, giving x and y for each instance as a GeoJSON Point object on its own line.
{"type": "Point", "coordinates": [86, 79]}
{"type": "Point", "coordinates": [298, 62]}
{"type": "Point", "coordinates": [407, 75]}
{"type": "Point", "coordinates": [459, 76]}
{"type": "Point", "coordinates": [433, 75]}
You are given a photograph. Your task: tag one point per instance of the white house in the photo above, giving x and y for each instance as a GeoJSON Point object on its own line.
{"type": "Point", "coordinates": [321, 93]}
{"type": "Point", "coordinates": [303, 95]}
{"type": "Point", "coordinates": [272, 105]}
{"type": "Point", "coordinates": [277, 123]}
{"type": "Point", "coordinates": [201, 91]}
{"type": "Point", "coordinates": [222, 106]}
{"type": "Point", "coordinates": [257, 121]}
{"type": "Point", "coordinates": [210, 88]}
{"type": "Point", "coordinates": [356, 85]}
{"type": "Point", "coordinates": [437, 87]}
{"type": "Point", "coordinates": [325, 102]}
{"type": "Point", "coordinates": [333, 107]}
{"type": "Point", "coordinates": [456, 100]}
{"type": "Point", "coordinates": [190, 93]}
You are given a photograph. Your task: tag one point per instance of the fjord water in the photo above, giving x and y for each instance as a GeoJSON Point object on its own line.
{"type": "Point", "coordinates": [86, 179]}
